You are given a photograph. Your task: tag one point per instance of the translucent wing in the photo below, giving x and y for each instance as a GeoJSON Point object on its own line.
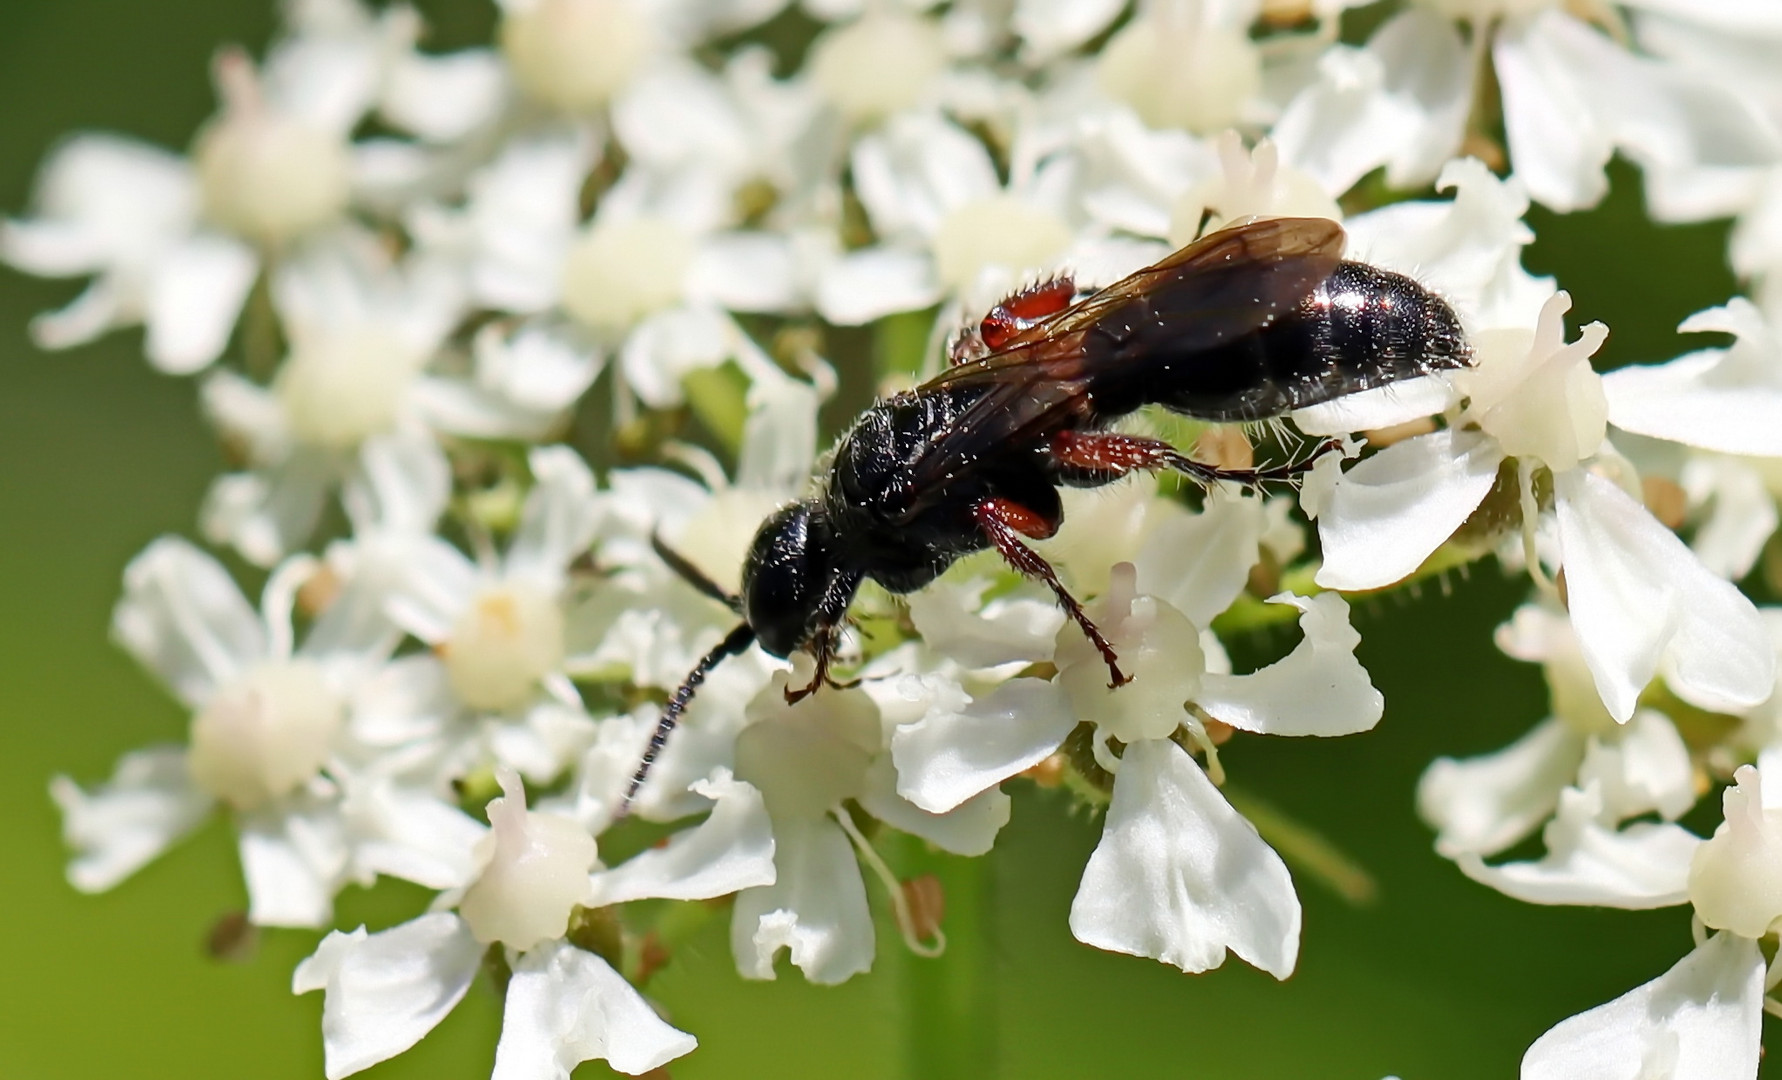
{"type": "Point", "coordinates": [1223, 286]}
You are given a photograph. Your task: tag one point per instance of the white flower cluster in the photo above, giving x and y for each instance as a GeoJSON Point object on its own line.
{"type": "Point", "coordinates": [399, 277]}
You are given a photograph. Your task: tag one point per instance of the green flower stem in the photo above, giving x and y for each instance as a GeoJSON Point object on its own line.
{"type": "Point", "coordinates": [1306, 850]}
{"type": "Point", "coordinates": [949, 1002]}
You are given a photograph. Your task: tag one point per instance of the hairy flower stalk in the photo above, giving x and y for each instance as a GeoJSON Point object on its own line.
{"type": "Point", "coordinates": [536, 334]}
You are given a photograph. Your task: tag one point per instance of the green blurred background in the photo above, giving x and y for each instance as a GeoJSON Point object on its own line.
{"type": "Point", "coordinates": [1438, 980]}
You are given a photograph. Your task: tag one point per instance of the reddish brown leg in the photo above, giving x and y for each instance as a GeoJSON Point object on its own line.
{"type": "Point", "coordinates": [1117, 454]}
{"type": "Point", "coordinates": [1005, 522]}
{"type": "Point", "coordinates": [821, 648]}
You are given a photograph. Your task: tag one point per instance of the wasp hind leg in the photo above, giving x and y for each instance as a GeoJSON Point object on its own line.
{"type": "Point", "coordinates": [1005, 522]}
{"type": "Point", "coordinates": [1105, 456]}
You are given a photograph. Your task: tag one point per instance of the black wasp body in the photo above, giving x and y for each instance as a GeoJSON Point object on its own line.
{"type": "Point", "coordinates": [1245, 324]}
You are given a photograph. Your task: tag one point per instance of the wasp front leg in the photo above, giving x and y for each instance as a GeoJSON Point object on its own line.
{"type": "Point", "coordinates": [832, 614]}
{"type": "Point", "coordinates": [1005, 522]}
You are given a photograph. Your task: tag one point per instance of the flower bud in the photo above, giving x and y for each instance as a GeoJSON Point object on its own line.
{"type": "Point", "coordinates": [535, 872]}
{"type": "Point", "coordinates": [1179, 74]}
{"type": "Point", "coordinates": [1158, 647]}
{"type": "Point", "coordinates": [618, 272]}
{"type": "Point", "coordinates": [1000, 230]}
{"type": "Point", "coordinates": [574, 55]}
{"type": "Point", "coordinates": [880, 64]}
{"type": "Point", "coordinates": [340, 389]}
{"type": "Point", "coordinates": [1735, 879]}
{"type": "Point", "coordinates": [261, 738]}
{"type": "Point", "coordinates": [265, 175]}
{"type": "Point", "coordinates": [505, 641]}
{"type": "Point", "coordinates": [1535, 393]}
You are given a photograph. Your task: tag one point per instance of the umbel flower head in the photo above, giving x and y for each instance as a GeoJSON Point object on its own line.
{"type": "Point", "coordinates": [510, 351]}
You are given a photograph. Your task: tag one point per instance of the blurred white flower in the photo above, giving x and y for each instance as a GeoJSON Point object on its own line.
{"type": "Point", "coordinates": [270, 721]}
{"type": "Point", "coordinates": [1485, 804]}
{"type": "Point", "coordinates": [650, 275]}
{"type": "Point", "coordinates": [1572, 96]}
{"type": "Point", "coordinates": [497, 629]}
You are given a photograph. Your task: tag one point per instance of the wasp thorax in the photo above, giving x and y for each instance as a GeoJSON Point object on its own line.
{"type": "Point", "coordinates": [617, 272]}
{"type": "Point", "coordinates": [265, 175]}
{"type": "Point", "coordinates": [574, 55]}
{"type": "Point", "coordinates": [341, 388]}
{"type": "Point", "coordinates": [506, 640]}
{"type": "Point", "coordinates": [261, 738]}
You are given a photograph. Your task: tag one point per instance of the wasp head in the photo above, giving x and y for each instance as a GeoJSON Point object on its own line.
{"type": "Point", "coordinates": [787, 576]}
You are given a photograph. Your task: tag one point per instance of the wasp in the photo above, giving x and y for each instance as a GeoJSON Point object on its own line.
{"type": "Point", "coordinates": [1247, 323]}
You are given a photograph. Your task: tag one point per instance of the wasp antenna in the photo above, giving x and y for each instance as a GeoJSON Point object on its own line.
{"type": "Point", "coordinates": [691, 574]}
{"type": "Point", "coordinates": [735, 642]}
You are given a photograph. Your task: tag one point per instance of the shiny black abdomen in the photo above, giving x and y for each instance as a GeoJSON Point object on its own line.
{"type": "Point", "coordinates": [1362, 328]}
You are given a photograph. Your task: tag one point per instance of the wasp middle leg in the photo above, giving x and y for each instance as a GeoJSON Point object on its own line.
{"type": "Point", "coordinates": [1005, 522]}
{"type": "Point", "coordinates": [1098, 457]}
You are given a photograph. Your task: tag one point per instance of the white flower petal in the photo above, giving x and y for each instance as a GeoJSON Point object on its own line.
{"type": "Point", "coordinates": [183, 618]}
{"type": "Point", "coordinates": [439, 583]}
{"type": "Point", "coordinates": [402, 484]}
{"type": "Point", "coordinates": [729, 851]}
{"type": "Point", "coordinates": [537, 368]}
{"type": "Point", "coordinates": [1697, 399]}
{"type": "Point", "coordinates": [269, 513]}
{"type": "Point", "coordinates": [1048, 28]}
{"type": "Point", "coordinates": [968, 829]}
{"type": "Point", "coordinates": [1641, 768]}
{"type": "Point", "coordinates": [1486, 803]}
{"type": "Point", "coordinates": [111, 201]}
{"type": "Point", "coordinates": [816, 908]}
{"type": "Point", "coordinates": [1199, 563]}
{"type": "Point", "coordinates": [294, 859]}
{"type": "Point", "coordinates": [1317, 689]}
{"type": "Point", "coordinates": [1180, 876]}
{"type": "Point", "coordinates": [559, 519]}
{"type": "Point", "coordinates": [1383, 406]}
{"type": "Point", "coordinates": [1640, 599]}
{"type": "Point", "coordinates": [97, 309]}
{"type": "Point", "coordinates": [194, 297]}
{"type": "Point", "coordinates": [149, 804]}
{"type": "Point", "coordinates": [1400, 102]}
{"type": "Point", "coordinates": [960, 749]}
{"type": "Point", "coordinates": [1390, 512]}
{"type": "Point", "coordinates": [444, 98]}
{"type": "Point", "coordinates": [566, 1006]}
{"type": "Point", "coordinates": [745, 271]}
{"type": "Point", "coordinates": [387, 990]}
{"type": "Point", "coordinates": [1701, 1020]}
{"type": "Point", "coordinates": [1590, 862]}
{"type": "Point", "coordinates": [411, 835]}
{"type": "Point", "coordinates": [1740, 517]}
{"type": "Point", "coordinates": [865, 285]}
{"type": "Point", "coordinates": [956, 624]}
{"type": "Point", "coordinates": [1557, 142]}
